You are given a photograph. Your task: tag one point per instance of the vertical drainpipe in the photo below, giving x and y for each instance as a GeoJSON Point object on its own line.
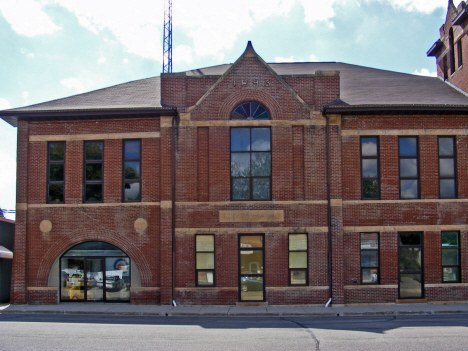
{"type": "Point", "coordinates": [329, 221]}
{"type": "Point", "coordinates": [175, 134]}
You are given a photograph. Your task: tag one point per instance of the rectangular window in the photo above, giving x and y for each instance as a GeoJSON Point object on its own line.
{"type": "Point", "coordinates": [460, 53]}
{"type": "Point", "coordinates": [250, 164]}
{"type": "Point", "coordinates": [447, 168]}
{"type": "Point", "coordinates": [370, 183]}
{"type": "Point", "coordinates": [131, 172]}
{"type": "Point", "coordinates": [204, 252]}
{"type": "Point", "coordinates": [408, 150]}
{"type": "Point", "coordinates": [451, 257]}
{"type": "Point", "coordinates": [370, 258]}
{"type": "Point", "coordinates": [298, 262]}
{"type": "Point", "coordinates": [55, 172]}
{"type": "Point", "coordinates": [93, 171]}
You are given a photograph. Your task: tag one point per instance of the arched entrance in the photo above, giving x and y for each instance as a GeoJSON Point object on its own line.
{"type": "Point", "coordinates": [95, 271]}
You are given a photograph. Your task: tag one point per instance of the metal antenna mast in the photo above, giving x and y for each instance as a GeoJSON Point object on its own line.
{"type": "Point", "coordinates": [167, 44]}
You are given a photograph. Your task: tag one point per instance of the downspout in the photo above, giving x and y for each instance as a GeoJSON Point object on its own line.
{"type": "Point", "coordinates": [175, 134]}
{"type": "Point", "coordinates": [329, 221]}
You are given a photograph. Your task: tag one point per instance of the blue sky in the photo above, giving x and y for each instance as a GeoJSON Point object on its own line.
{"type": "Point", "coordinates": [51, 49]}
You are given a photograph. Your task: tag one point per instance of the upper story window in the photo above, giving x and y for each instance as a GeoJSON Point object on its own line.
{"type": "Point", "coordinates": [370, 179]}
{"type": "Point", "coordinates": [93, 171]}
{"type": "Point", "coordinates": [250, 155]}
{"type": "Point", "coordinates": [131, 170]}
{"type": "Point", "coordinates": [56, 172]}
{"type": "Point", "coordinates": [408, 151]}
{"type": "Point", "coordinates": [452, 51]}
{"type": "Point", "coordinates": [460, 53]}
{"type": "Point", "coordinates": [447, 168]}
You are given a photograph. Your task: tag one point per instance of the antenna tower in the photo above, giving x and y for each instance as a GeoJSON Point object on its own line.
{"type": "Point", "coordinates": [167, 42]}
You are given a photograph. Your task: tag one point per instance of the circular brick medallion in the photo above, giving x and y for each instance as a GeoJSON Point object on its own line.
{"type": "Point", "coordinates": [140, 225]}
{"type": "Point", "coordinates": [45, 226]}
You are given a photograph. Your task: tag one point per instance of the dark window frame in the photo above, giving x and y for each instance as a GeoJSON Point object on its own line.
{"type": "Point", "coordinates": [451, 266]}
{"type": "Point", "coordinates": [51, 162]}
{"type": "Point", "coordinates": [378, 258]}
{"type": "Point", "coordinates": [240, 275]}
{"type": "Point", "coordinates": [454, 157]}
{"type": "Point", "coordinates": [205, 270]}
{"type": "Point", "coordinates": [85, 162]}
{"type": "Point", "coordinates": [460, 53]}
{"type": "Point", "coordinates": [289, 260]}
{"type": "Point", "coordinates": [417, 157]}
{"type": "Point", "coordinates": [378, 168]}
{"type": "Point", "coordinates": [251, 178]}
{"type": "Point", "coordinates": [452, 52]}
{"type": "Point", "coordinates": [123, 170]}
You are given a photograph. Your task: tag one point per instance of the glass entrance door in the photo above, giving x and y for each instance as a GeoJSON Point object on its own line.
{"type": "Point", "coordinates": [410, 265]}
{"type": "Point", "coordinates": [251, 263]}
{"type": "Point", "coordinates": [94, 273]}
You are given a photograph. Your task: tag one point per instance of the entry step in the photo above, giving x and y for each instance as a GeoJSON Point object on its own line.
{"type": "Point", "coordinates": [412, 301]}
{"type": "Point", "coordinates": [250, 304]}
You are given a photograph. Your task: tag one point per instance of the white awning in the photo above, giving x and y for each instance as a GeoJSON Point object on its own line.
{"type": "Point", "coordinates": [5, 253]}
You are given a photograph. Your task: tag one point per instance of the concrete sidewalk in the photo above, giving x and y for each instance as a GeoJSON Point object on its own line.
{"type": "Point", "coordinates": [233, 311]}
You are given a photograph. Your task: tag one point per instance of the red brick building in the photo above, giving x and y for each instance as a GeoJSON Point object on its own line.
{"type": "Point", "coordinates": [283, 183]}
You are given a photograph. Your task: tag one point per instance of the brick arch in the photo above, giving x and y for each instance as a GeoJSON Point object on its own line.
{"type": "Point", "coordinates": [249, 95]}
{"type": "Point", "coordinates": [64, 244]}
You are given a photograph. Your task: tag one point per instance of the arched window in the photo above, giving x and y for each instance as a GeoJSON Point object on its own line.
{"type": "Point", "coordinates": [452, 51]}
{"type": "Point", "coordinates": [95, 271]}
{"type": "Point", "coordinates": [250, 155]}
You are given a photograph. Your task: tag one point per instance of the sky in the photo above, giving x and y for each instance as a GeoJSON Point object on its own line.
{"type": "Point", "coordinates": [50, 49]}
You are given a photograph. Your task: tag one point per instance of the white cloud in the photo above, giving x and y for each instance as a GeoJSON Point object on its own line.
{"type": "Point", "coordinates": [4, 104]}
{"type": "Point", "coordinates": [101, 60]}
{"type": "Point", "coordinates": [284, 59]}
{"type": "Point", "coordinates": [424, 6]}
{"type": "Point", "coordinates": [125, 60]}
{"type": "Point", "coordinates": [425, 72]}
{"type": "Point", "coordinates": [313, 58]}
{"type": "Point", "coordinates": [182, 53]}
{"type": "Point", "coordinates": [73, 83]}
{"type": "Point", "coordinates": [25, 94]}
{"type": "Point", "coordinates": [8, 180]}
{"type": "Point", "coordinates": [26, 17]}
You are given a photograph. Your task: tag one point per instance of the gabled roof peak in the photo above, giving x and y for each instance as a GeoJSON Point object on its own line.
{"type": "Point", "coordinates": [249, 51]}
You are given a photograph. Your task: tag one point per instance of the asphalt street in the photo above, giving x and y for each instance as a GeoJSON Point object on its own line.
{"type": "Point", "coordinates": [106, 332]}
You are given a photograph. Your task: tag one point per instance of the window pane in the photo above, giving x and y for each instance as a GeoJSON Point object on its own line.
{"type": "Point", "coordinates": [204, 243]}
{"type": "Point", "coordinates": [369, 146]}
{"type": "Point", "coordinates": [240, 189]}
{"type": "Point", "coordinates": [370, 275]}
{"type": "Point", "coordinates": [132, 191]}
{"type": "Point", "coordinates": [297, 259]}
{"type": "Point", "coordinates": [205, 278]}
{"type": "Point", "coordinates": [446, 147]}
{"type": "Point", "coordinates": [298, 277]}
{"type": "Point", "coordinates": [72, 279]}
{"type": "Point", "coordinates": [409, 189]}
{"type": "Point", "coordinates": [132, 170]}
{"type": "Point", "coordinates": [251, 288]}
{"type": "Point", "coordinates": [205, 260]}
{"type": "Point", "coordinates": [94, 150]}
{"type": "Point", "coordinates": [251, 241]}
{"type": "Point", "coordinates": [261, 164]}
{"type": "Point", "coordinates": [261, 188]}
{"type": "Point", "coordinates": [408, 146]}
{"type": "Point", "coordinates": [297, 242]}
{"type": "Point", "coordinates": [93, 192]}
{"type": "Point", "coordinates": [55, 193]}
{"type": "Point", "coordinates": [408, 168]}
{"type": "Point", "coordinates": [447, 167]}
{"type": "Point", "coordinates": [447, 188]}
{"type": "Point", "coordinates": [449, 239]}
{"type": "Point", "coordinates": [369, 241]}
{"type": "Point", "coordinates": [370, 189]}
{"type": "Point", "coordinates": [94, 171]}
{"type": "Point", "coordinates": [410, 259]}
{"type": "Point", "coordinates": [410, 239]}
{"type": "Point", "coordinates": [240, 139]}
{"type": "Point", "coordinates": [451, 274]}
{"type": "Point", "coordinates": [410, 285]}
{"type": "Point", "coordinates": [251, 261]}
{"type": "Point", "coordinates": [369, 168]}
{"type": "Point", "coordinates": [56, 151]}
{"type": "Point", "coordinates": [261, 139]}
{"type": "Point", "coordinates": [369, 258]}
{"type": "Point", "coordinates": [449, 257]}
{"type": "Point", "coordinates": [56, 172]}
{"type": "Point", "coordinates": [131, 149]}
{"type": "Point", "coordinates": [240, 164]}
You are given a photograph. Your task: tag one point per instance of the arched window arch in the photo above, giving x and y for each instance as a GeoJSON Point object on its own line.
{"type": "Point", "coordinates": [250, 155]}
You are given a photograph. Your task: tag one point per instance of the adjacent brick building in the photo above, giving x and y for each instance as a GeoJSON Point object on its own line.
{"type": "Point", "coordinates": [283, 183]}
